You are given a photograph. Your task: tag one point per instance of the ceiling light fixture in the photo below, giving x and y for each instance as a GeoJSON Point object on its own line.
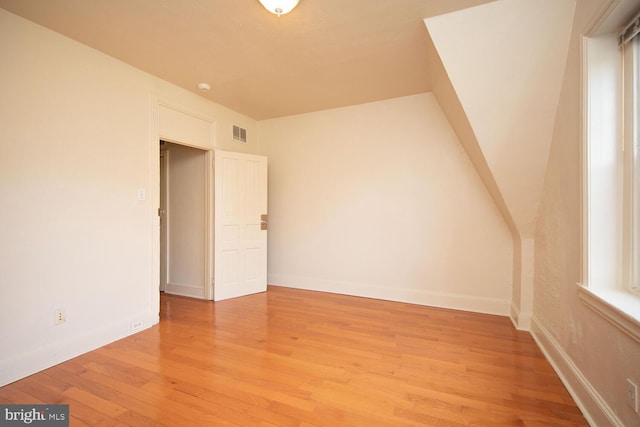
{"type": "Point", "coordinates": [204, 87]}
{"type": "Point", "coordinates": [279, 7]}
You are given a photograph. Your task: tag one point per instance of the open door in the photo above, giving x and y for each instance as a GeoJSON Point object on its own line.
{"type": "Point", "coordinates": [240, 242]}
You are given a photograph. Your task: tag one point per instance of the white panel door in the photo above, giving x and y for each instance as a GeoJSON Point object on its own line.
{"type": "Point", "coordinates": [240, 266]}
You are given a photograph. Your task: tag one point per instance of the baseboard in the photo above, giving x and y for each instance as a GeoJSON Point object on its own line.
{"type": "Point", "coordinates": [25, 364]}
{"type": "Point", "coordinates": [184, 290]}
{"type": "Point", "coordinates": [412, 296]}
{"type": "Point", "coordinates": [592, 405]}
{"type": "Point", "coordinates": [521, 321]}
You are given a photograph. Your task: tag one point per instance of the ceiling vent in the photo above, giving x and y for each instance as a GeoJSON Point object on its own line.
{"type": "Point", "coordinates": [239, 134]}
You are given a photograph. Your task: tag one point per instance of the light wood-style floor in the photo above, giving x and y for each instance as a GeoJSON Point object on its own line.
{"type": "Point", "coordinates": [298, 358]}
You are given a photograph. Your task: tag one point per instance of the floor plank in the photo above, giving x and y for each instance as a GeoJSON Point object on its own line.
{"type": "Point", "coordinates": [298, 358]}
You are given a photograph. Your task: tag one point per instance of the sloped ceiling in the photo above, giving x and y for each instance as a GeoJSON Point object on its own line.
{"type": "Point", "coordinates": [506, 61]}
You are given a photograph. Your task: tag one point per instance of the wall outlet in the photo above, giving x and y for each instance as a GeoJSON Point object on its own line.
{"type": "Point", "coordinates": [632, 395]}
{"type": "Point", "coordinates": [59, 316]}
{"type": "Point", "coordinates": [136, 325]}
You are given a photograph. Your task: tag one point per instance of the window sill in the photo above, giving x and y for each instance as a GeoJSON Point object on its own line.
{"type": "Point", "coordinates": [622, 309]}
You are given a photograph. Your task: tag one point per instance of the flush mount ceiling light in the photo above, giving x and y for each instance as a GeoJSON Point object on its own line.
{"type": "Point", "coordinates": [204, 87]}
{"type": "Point", "coordinates": [279, 7]}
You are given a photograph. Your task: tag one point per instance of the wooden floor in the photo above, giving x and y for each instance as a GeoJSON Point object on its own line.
{"type": "Point", "coordinates": [298, 358]}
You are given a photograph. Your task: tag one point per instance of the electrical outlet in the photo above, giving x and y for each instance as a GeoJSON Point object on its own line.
{"type": "Point", "coordinates": [632, 395]}
{"type": "Point", "coordinates": [59, 316]}
{"type": "Point", "coordinates": [136, 325]}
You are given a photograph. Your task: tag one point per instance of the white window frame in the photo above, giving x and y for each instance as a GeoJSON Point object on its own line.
{"type": "Point", "coordinates": [631, 168]}
{"type": "Point", "coordinates": [608, 249]}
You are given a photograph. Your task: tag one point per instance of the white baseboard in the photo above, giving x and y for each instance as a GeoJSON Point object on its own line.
{"type": "Point", "coordinates": [592, 405]}
{"type": "Point", "coordinates": [412, 296]}
{"type": "Point", "coordinates": [25, 364]}
{"type": "Point", "coordinates": [521, 321]}
{"type": "Point", "coordinates": [184, 290]}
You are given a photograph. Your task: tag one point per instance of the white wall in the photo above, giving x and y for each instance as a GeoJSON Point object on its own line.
{"type": "Point", "coordinates": [381, 200]}
{"type": "Point", "coordinates": [79, 139]}
{"type": "Point", "coordinates": [509, 89]}
{"type": "Point", "coordinates": [591, 355]}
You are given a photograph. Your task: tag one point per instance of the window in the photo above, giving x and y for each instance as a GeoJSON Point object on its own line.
{"type": "Point", "coordinates": [611, 217]}
{"type": "Point", "coordinates": [630, 46]}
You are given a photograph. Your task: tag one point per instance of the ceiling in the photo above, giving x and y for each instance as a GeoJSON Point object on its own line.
{"type": "Point", "coordinates": [324, 54]}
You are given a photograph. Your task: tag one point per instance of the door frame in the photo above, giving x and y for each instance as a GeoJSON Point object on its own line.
{"type": "Point", "coordinates": [197, 131]}
{"type": "Point", "coordinates": [208, 215]}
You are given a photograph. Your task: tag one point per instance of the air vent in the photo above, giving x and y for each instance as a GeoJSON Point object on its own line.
{"type": "Point", "coordinates": [239, 134]}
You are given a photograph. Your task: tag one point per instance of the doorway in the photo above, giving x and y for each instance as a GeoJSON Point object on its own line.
{"type": "Point", "coordinates": [184, 256]}
{"type": "Point", "coordinates": [185, 267]}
